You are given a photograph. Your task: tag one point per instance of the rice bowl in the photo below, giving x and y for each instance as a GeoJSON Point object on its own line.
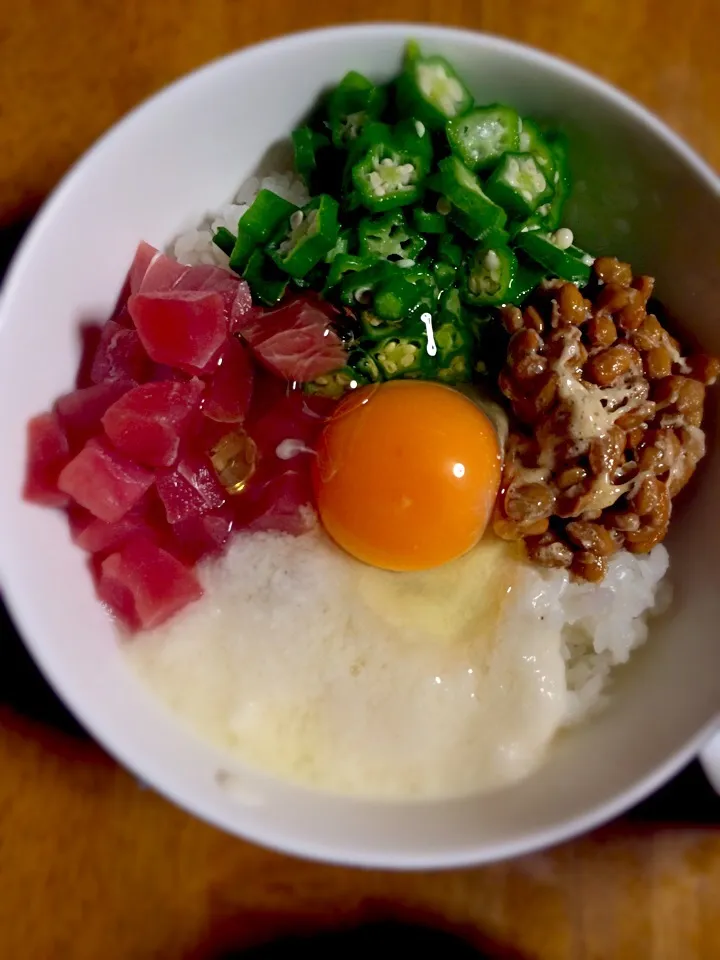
{"type": "Point", "coordinates": [618, 714]}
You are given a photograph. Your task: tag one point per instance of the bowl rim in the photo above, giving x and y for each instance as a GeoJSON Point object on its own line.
{"type": "Point", "coordinates": [470, 854]}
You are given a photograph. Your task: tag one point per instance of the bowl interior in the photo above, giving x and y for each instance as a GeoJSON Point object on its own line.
{"type": "Point", "coordinates": [639, 194]}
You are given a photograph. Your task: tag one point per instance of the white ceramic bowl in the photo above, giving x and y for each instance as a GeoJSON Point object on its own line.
{"type": "Point", "coordinates": [641, 194]}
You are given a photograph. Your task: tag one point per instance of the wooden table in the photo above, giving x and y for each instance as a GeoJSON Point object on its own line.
{"type": "Point", "coordinates": [91, 864]}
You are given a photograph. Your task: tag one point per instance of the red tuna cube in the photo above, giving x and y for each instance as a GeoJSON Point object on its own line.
{"type": "Point", "coordinates": [287, 431]}
{"type": "Point", "coordinates": [180, 328]}
{"type": "Point", "coordinates": [148, 422]}
{"type": "Point", "coordinates": [161, 273]}
{"type": "Point", "coordinates": [230, 389]}
{"type": "Point", "coordinates": [97, 536]}
{"type": "Point", "coordinates": [235, 292]}
{"type": "Point", "coordinates": [145, 585]}
{"type": "Point", "coordinates": [48, 453]}
{"type": "Point", "coordinates": [284, 504]}
{"type": "Point", "coordinates": [295, 341]}
{"type": "Point", "coordinates": [242, 304]}
{"type": "Point", "coordinates": [104, 482]}
{"type": "Point", "coordinates": [209, 277]}
{"type": "Point", "coordinates": [190, 490]}
{"type": "Point", "coordinates": [120, 356]}
{"type": "Point", "coordinates": [144, 256]}
{"type": "Point", "coordinates": [80, 413]}
{"type": "Point", "coordinates": [204, 535]}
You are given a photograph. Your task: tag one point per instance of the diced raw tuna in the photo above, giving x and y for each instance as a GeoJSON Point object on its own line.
{"type": "Point", "coordinates": [190, 490]}
{"type": "Point", "coordinates": [113, 591]}
{"type": "Point", "coordinates": [104, 482]}
{"type": "Point", "coordinates": [230, 388]}
{"type": "Point", "coordinates": [288, 429]}
{"type": "Point", "coordinates": [149, 421]}
{"type": "Point", "coordinates": [144, 256]}
{"type": "Point", "coordinates": [161, 371]}
{"type": "Point", "coordinates": [234, 291]}
{"type": "Point", "coordinates": [120, 356]}
{"type": "Point", "coordinates": [145, 585]}
{"type": "Point", "coordinates": [295, 341]}
{"type": "Point", "coordinates": [284, 504]}
{"type": "Point", "coordinates": [208, 278]}
{"type": "Point", "coordinates": [242, 304]}
{"type": "Point", "coordinates": [268, 389]}
{"type": "Point", "coordinates": [97, 536]}
{"type": "Point", "coordinates": [279, 495]}
{"type": "Point", "coordinates": [90, 334]}
{"type": "Point", "coordinates": [80, 413]}
{"type": "Point", "coordinates": [162, 274]}
{"type": "Point", "coordinates": [213, 364]}
{"type": "Point", "coordinates": [153, 272]}
{"type": "Point", "coordinates": [246, 318]}
{"type": "Point", "coordinates": [48, 453]}
{"type": "Point", "coordinates": [202, 536]}
{"type": "Point", "coordinates": [182, 329]}
{"type": "Point", "coordinates": [122, 316]}
{"type": "Point", "coordinates": [204, 434]}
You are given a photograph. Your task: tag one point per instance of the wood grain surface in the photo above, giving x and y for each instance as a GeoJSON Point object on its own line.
{"type": "Point", "coordinates": [94, 866]}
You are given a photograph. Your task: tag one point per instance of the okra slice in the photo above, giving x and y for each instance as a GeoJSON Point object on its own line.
{"type": "Point", "coordinates": [401, 357]}
{"type": "Point", "coordinates": [395, 298]}
{"type": "Point", "coordinates": [487, 275]}
{"type": "Point", "coordinates": [463, 190]}
{"type": "Point", "coordinates": [533, 142]}
{"type": "Point", "coordinates": [266, 282]}
{"type": "Point", "coordinates": [344, 264]}
{"type": "Point", "coordinates": [445, 274]}
{"type": "Point", "coordinates": [307, 144]}
{"type": "Point", "coordinates": [557, 253]}
{"type": "Point", "coordinates": [527, 277]}
{"type": "Point", "coordinates": [430, 90]}
{"type": "Point", "coordinates": [352, 105]}
{"type": "Point", "coordinates": [335, 384]}
{"type": "Point", "coordinates": [429, 221]}
{"type": "Point", "coordinates": [454, 344]}
{"type": "Point", "coordinates": [483, 135]}
{"type": "Point", "coordinates": [257, 225]}
{"type": "Point", "coordinates": [307, 238]}
{"type": "Point", "coordinates": [225, 240]}
{"type": "Point", "coordinates": [389, 166]}
{"type": "Point", "coordinates": [364, 365]}
{"type": "Point", "coordinates": [376, 328]}
{"type": "Point", "coordinates": [518, 184]}
{"type": "Point", "coordinates": [389, 237]}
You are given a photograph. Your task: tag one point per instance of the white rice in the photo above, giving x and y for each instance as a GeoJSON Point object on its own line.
{"type": "Point", "coordinates": [602, 623]}
{"type": "Point", "coordinates": [195, 245]}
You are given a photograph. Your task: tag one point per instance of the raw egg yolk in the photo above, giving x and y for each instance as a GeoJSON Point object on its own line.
{"type": "Point", "coordinates": [407, 474]}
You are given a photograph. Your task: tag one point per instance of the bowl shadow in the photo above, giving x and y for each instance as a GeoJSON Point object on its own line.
{"type": "Point", "coordinates": [381, 930]}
